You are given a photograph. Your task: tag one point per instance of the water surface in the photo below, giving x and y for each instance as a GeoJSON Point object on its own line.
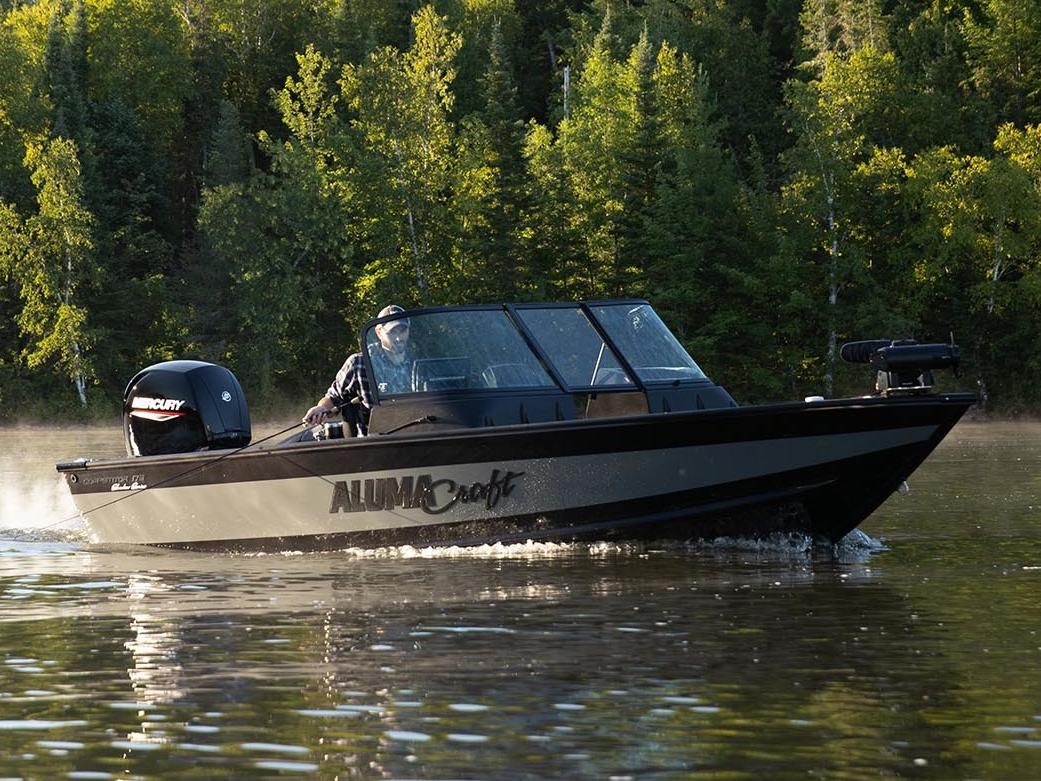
{"type": "Point", "coordinates": [911, 651]}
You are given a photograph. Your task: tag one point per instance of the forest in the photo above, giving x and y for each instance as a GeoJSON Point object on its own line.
{"type": "Point", "coordinates": [249, 182]}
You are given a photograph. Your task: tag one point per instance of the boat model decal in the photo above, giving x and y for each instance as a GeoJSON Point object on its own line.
{"type": "Point", "coordinates": [134, 486]}
{"type": "Point", "coordinates": [420, 491]}
{"type": "Point", "coordinates": [113, 480]}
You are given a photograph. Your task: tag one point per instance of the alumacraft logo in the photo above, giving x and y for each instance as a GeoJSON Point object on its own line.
{"type": "Point", "coordinates": [156, 409]}
{"type": "Point", "coordinates": [422, 491]}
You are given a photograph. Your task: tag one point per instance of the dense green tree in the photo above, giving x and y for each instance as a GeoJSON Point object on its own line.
{"type": "Point", "coordinates": [239, 182]}
{"type": "Point", "coordinates": [598, 134]}
{"type": "Point", "coordinates": [140, 54]}
{"type": "Point", "coordinates": [400, 104]}
{"type": "Point", "coordinates": [944, 106]}
{"type": "Point", "coordinates": [985, 215]}
{"type": "Point", "coordinates": [277, 245]}
{"type": "Point", "coordinates": [359, 27]}
{"type": "Point", "coordinates": [846, 108]}
{"type": "Point", "coordinates": [481, 24]}
{"type": "Point", "coordinates": [550, 238]}
{"type": "Point", "coordinates": [229, 153]}
{"type": "Point", "coordinates": [126, 196]}
{"type": "Point", "coordinates": [66, 72]}
{"type": "Point", "coordinates": [488, 191]}
{"type": "Point", "coordinates": [1005, 47]}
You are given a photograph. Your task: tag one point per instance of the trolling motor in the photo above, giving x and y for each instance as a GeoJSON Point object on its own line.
{"type": "Point", "coordinates": [904, 366]}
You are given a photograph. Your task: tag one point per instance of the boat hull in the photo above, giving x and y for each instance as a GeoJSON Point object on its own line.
{"type": "Point", "coordinates": [818, 468]}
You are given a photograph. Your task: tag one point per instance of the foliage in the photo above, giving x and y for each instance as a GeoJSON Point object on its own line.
{"type": "Point", "coordinates": [249, 183]}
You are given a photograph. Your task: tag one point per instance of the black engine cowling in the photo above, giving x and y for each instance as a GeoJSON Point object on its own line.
{"type": "Point", "coordinates": [183, 406]}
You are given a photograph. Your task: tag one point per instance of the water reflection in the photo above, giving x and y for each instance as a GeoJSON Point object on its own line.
{"type": "Point", "coordinates": [916, 658]}
{"type": "Point", "coordinates": [667, 659]}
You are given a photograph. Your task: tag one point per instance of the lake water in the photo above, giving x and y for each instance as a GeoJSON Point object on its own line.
{"type": "Point", "coordinates": [911, 651]}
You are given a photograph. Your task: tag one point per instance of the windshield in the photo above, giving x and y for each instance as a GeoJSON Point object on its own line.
{"type": "Point", "coordinates": [574, 347]}
{"type": "Point", "coordinates": [452, 350]}
{"type": "Point", "coordinates": [481, 349]}
{"type": "Point", "coordinates": [647, 344]}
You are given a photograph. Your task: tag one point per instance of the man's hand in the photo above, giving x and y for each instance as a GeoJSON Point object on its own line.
{"type": "Point", "coordinates": [317, 415]}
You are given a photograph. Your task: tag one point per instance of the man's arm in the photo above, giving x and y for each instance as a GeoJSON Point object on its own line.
{"type": "Point", "coordinates": [325, 408]}
{"type": "Point", "coordinates": [338, 394]}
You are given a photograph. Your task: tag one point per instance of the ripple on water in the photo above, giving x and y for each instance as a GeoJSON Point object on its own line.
{"type": "Point", "coordinates": [459, 737]}
{"type": "Point", "coordinates": [40, 724]}
{"type": "Point", "coordinates": [329, 713]}
{"type": "Point", "coordinates": [138, 745]}
{"type": "Point", "coordinates": [275, 748]}
{"type": "Point", "coordinates": [286, 766]}
{"type": "Point", "coordinates": [201, 729]}
{"type": "Point", "coordinates": [65, 745]}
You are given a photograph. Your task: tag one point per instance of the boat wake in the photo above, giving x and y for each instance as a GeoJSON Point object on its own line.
{"type": "Point", "coordinates": [39, 511]}
{"type": "Point", "coordinates": [855, 546]}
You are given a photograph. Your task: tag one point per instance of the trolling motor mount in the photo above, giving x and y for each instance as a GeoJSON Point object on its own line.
{"type": "Point", "coordinates": [904, 366]}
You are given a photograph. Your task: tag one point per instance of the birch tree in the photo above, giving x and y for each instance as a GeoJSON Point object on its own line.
{"type": "Point", "coordinates": [55, 266]}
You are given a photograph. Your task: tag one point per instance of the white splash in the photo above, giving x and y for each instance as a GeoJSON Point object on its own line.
{"type": "Point", "coordinates": [40, 508]}
{"type": "Point", "coordinates": [855, 546]}
{"type": "Point", "coordinates": [498, 550]}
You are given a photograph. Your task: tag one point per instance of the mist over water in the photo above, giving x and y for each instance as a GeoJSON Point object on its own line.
{"type": "Point", "coordinates": [909, 650]}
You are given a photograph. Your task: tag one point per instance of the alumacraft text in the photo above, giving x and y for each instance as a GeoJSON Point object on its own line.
{"type": "Point", "coordinates": [419, 491]}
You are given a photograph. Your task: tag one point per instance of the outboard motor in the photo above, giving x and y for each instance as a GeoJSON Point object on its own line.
{"type": "Point", "coordinates": [183, 406]}
{"type": "Point", "coordinates": [904, 366]}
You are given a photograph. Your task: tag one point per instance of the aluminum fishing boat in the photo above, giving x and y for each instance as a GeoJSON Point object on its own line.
{"type": "Point", "coordinates": [563, 422]}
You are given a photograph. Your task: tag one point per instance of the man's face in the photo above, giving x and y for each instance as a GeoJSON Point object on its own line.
{"type": "Point", "coordinates": [393, 337]}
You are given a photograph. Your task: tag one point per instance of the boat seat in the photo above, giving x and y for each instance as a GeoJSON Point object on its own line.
{"type": "Point", "coordinates": [438, 374]}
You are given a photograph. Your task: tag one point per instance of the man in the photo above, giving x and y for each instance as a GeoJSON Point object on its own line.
{"type": "Point", "coordinates": [391, 363]}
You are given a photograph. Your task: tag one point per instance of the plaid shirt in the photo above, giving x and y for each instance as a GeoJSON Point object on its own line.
{"type": "Point", "coordinates": [352, 381]}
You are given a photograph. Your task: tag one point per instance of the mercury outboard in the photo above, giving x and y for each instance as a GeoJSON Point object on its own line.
{"type": "Point", "coordinates": [184, 406]}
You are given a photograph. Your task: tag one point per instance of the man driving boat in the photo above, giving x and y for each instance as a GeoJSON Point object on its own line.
{"type": "Point", "coordinates": [392, 363]}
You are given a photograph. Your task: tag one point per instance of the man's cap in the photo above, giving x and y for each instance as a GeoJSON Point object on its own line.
{"type": "Point", "coordinates": [393, 309]}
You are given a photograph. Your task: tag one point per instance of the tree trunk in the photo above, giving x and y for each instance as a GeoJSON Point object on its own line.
{"type": "Point", "coordinates": [77, 378]}
{"type": "Point", "coordinates": [421, 281]}
{"type": "Point", "coordinates": [833, 297]}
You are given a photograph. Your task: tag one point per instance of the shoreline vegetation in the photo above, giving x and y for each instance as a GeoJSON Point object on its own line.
{"type": "Point", "coordinates": [248, 184]}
